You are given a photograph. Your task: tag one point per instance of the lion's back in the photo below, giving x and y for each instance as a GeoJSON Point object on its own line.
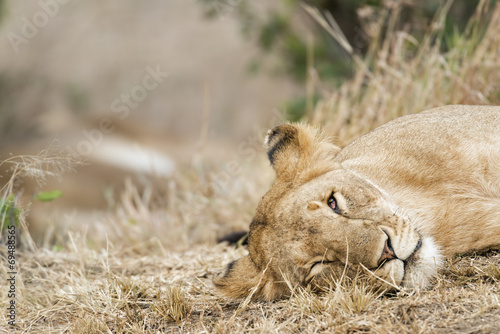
{"type": "Point", "coordinates": [439, 145]}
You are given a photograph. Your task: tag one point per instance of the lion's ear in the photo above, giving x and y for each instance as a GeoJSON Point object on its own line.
{"type": "Point", "coordinates": [241, 278]}
{"type": "Point", "coordinates": [283, 149]}
{"type": "Point", "coordinates": [293, 149]}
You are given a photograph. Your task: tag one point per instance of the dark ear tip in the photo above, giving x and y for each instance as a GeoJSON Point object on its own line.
{"type": "Point", "coordinates": [273, 135]}
{"type": "Point", "coordinates": [278, 138]}
{"type": "Point", "coordinates": [269, 135]}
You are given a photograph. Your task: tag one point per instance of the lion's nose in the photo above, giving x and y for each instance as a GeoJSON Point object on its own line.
{"type": "Point", "coordinates": [388, 253]}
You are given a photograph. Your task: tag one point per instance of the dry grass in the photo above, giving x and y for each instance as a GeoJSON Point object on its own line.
{"type": "Point", "coordinates": [51, 162]}
{"type": "Point", "coordinates": [148, 284]}
{"type": "Point", "coordinates": [78, 290]}
{"type": "Point", "coordinates": [146, 266]}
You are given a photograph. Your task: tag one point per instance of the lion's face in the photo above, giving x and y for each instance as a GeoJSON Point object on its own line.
{"type": "Point", "coordinates": [318, 221]}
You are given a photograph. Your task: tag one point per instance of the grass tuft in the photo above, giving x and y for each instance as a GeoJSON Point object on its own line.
{"type": "Point", "coordinates": [356, 298]}
{"type": "Point", "coordinates": [88, 325]}
{"type": "Point", "coordinates": [173, 305]}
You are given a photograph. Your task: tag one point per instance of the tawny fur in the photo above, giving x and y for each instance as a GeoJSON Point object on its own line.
{"type": "Point", "coordinates": [423, 186]}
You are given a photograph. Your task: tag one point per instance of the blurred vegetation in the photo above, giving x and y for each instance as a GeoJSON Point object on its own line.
{"type": "Point", "coordinates": [288, 32]}
{"type": "Point", "coordinates": [14, 110]}
{"type": "Point", "coordinates": [400, 74]}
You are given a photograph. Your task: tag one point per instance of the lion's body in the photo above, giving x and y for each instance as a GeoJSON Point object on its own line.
{"type": "Point", "coordinates": [394, 201]}
{"type": "Point", "coordinates": [442, 167]}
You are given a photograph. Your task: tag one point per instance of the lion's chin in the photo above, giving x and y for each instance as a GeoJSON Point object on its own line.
{"type": "Point", "coordinates": [423, 265]}
{"type": "Point", "coordinates": [392, 272]}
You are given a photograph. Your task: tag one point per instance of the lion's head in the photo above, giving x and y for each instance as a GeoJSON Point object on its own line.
{"type": "Point", "coordinates": [319, 220]}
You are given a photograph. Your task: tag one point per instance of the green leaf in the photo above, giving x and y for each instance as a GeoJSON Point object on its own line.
{"type": "Point", "coordinates": [9, 214]}
{"type": "Point", "coordinates": [48, 196]}
{"type": "Point", "coordinates": [6, 204]}
{"type": "Point", "coordinates": [57, 248]}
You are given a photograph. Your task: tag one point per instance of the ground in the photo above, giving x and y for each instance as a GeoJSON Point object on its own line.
{"type": "Point", "coordinates": [93, 292]}
{"type": "Point", "coordinates": [148, 267]}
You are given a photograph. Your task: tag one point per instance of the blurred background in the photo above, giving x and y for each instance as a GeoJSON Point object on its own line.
{"type": "Point", "coordinates": [145, 90]}
{"type": "Point", "coordinates": [66, 66]}
{"type": "Point", "coordinates": [63, 65]}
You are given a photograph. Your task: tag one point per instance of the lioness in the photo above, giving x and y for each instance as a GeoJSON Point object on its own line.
{"type": "Point", "coordinates": [395, 201]}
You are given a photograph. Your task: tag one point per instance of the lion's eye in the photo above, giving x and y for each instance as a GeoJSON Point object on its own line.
{"type": "Point", "coordinates": [332, 203]}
